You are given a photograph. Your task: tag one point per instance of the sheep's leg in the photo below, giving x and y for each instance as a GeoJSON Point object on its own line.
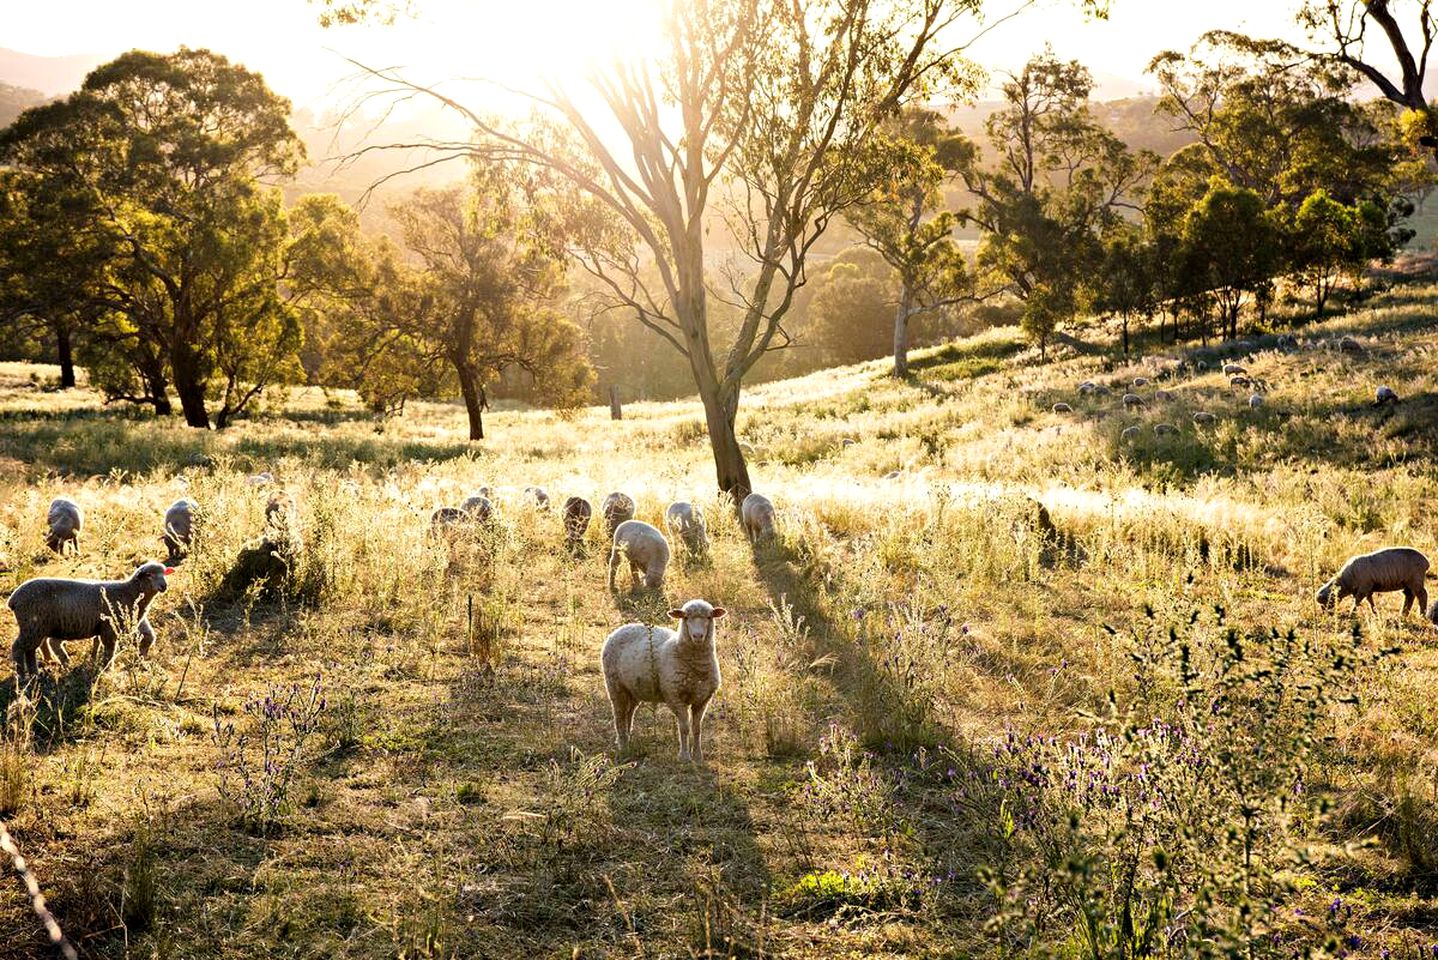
{"type": "Point", "coordinates": [623, 705]}
{"type": "Point", "coordinates": [696, 715]}
{"type": "Point", "coordinates": [681, 715]}
{"type": "Point", "coordinates": [106, 638]}
{"type": "Point", "coordinates": [1407, 600]}
{"type": "Point", "coordinates": [1422, 595]}
{"type": "Point", "coordinates": [56, 649]}
{"type": "Point", "coordinates": [613, 567]}
{"type": "Point", "coordinates": [22, 654]}
{"type": "Point", "coordinates": [147, 636]}
{"type": "Point", "coordinates": [1371, 605]}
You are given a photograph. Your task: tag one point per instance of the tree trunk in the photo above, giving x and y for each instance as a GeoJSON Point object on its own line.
{"type": "Point", "coordinates": [901, 333]}
{"type": "Point", "coordinates": [720, 414]}
{"type": "Point", "coordinates": [185, 368]}
{"type": "Point", "coordinates": [616, 411]}
{"type": "Point", "coordinates": [1125, 336]}
{"type": "Point", "coordinates": [473, 398]}
{"type": "Point", "coordinates": [65, 356]}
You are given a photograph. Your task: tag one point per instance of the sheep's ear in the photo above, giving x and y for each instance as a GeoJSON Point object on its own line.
{"type": "Point", "coordinates": [718, 613]}
{"type": "Point", "coordinates": [677, 614]}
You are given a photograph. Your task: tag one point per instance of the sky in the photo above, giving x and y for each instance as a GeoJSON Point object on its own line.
{"type": "Point", "coordinates": [523, 42]}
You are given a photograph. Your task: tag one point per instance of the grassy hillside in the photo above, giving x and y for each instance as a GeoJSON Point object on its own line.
{"type": "Point", "coordinates": [912, 673]}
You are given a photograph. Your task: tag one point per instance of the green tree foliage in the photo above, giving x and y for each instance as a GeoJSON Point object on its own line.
{"type": "Point", "coordinates": [1128, 281]}
{"type": "Point", "coordinates": [1230, 248]}
{"type": "Point", "coordinates": [1058, 183]}
{"type": "Point", "coordinates": [853, 304]}
{"type": "Point", "coordinates": [903, 221]}
{"type": "Point", "coordinates": [164, 155]}
{"type": "Point", "coordinates": [473, 294]}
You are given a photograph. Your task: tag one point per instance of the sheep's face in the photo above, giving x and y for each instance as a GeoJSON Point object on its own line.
{"type": "Point", "coordinates": [696, 618]}
{"type": "Point", "coordinates": [1325, 596]}
{"type": "Point", "coordinates": [154, 576]}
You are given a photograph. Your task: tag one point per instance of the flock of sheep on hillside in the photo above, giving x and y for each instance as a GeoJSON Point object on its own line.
{"type": "Point", "coordinates": [640, 663]}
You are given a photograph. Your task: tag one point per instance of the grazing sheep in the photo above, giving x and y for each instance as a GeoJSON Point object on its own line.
{"type": "Point", "coordinates": [644, 664]}
{"type": "Point", "coordinates": [262, 479]}
{"type": "Point", "coordinates": [1385, 395]}
{"type": "Point", "coordinates": [1433, 614]}
{"type": "Point", "coordinates": [1350, 345]}
{"type": "Point", "coordinates": [1140, 381]}
{"type": "Point", "coordinates": [1204, 419]}
{"type": "Point", "coordinates": [577, 512]}
{"type": "Point", "coordinates": [646, 550]}
{"type": "Point", "coordinates": [180, 521]}
{"type": "Point", "coordinates": [1239, 380]}
{"type": "Point", "coordinates": [539, 496]}
{"type": "Point", "coordinates": [478, 508]}
{"type": "Point", "coordinates": [1129, 434]}
{"type": "Point", "coordinates": [756, 516]}
{"type": "Point", "coordinates": [1102, 391]}
{"type": "Point", "coordinates": [616, 509]}
{"type": "Point", "coordinates": [1165, 429]}
{"type": "Point", "coordinates": [1131, 400]}
{"type": "Point", "coordinates": [65, 519]}
{"type": "Point", "coordinates": [446, 517]}
{"type": "Point", "coordinates": [893, 474]}
{"type": "Point", "coordinates": [686, 522]}
{"type": "Point", "coordinates": [1382, 571]}
{"type": "Point", "coordinates": [1255, 401]}
{"type": "Point", "coordinates": [50, 610]}
{"type": "Point", "coordinates": [847, 442]}
{"type": "Point", "coordinates": [1287, 341]}
{"type": "Point", "coordinates": [1200, 365]}
{"type": "Point", "coordinates": [1062, 408]}
{"type": "Point", "coordinates": [1162, 396]}
{"type": "Point", "coordinates": [1233, 368]}
{"type": "Point", "coordinates": [1087, 387]}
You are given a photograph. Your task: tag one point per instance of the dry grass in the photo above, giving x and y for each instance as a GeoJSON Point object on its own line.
{"type": "Point", "coordinates": [460, 798]}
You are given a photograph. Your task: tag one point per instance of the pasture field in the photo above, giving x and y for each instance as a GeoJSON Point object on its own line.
{"type": "Point", "coordinates": [945, 730]}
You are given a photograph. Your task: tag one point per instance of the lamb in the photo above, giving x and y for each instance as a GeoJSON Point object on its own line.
{"type": "Point", "coordinates": [1204, 419]}
{"type": "Point", "coordinates": [444, 517]}
{"type": "Point", "coordinates": [1062, 408]}
{"type": "Point", "coordinates": [1087, 387]}
{"type": "Point", "coordinates": [1255, 401]}
{"type": "Point", "coordinates": [616, 509]}
{"type": "Point", "coordinates": [1233, 368]}
{"type": "Point", "coordinates": [65, 519]}
{"type": "Point", "coordinates": [577, 512]}
{"type": "Point", "coordinates": [478, 508]}
{"type": "Point", "coordinates": [756, 516]}
{"type": "Point", "coordinates": [1140, 381]}
{"type": "Point", "coordinates": [1162, 396]}
{"type": "Point", "coordinates": [539, 496]}
{"type": "Point", "coordinates": [1385, 395]}
{"type": "Point", "coordinates": [1131, 400]}
{"type": "Point", "coordinates": [50, 610]}
{"type": "Point", "coordinates": [179, 529]}
{"type": "Point", "coordinates": [646, 550]}
{"type": "Point", "coordinates": [1383, 571]}
{"type": "Point", "coordinates": [1239, 380]}
{"type": "Point", "coordinates": [1129, 434]}
{"type": "Point", "coordinates": [686, 522]}
{"type": "Point", "coordinates": [1165, 429]}
{"type": "Point", "coordinates": [1350, 345]}
{"type": "Point", "coordinates": [644, 664]}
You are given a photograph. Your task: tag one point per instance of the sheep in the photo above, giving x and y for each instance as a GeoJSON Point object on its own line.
{"type": "Point", "coordinates": [847, 442]}
{"type": "Point", "coordinates": [65, 519]}
{"type": "Point", "coordinates": [756, 516]}
{"type": "Point", "coordinates": [50, 610]}
{"type": "Point", "coordinates": [1062, 408]}
{"type": "Point", "coordinates": [1385, 395]}
{"type": "Point", "coordinates": [539, 496]}
{"type": "Point", "coordinates": [1255, 400]}
{"type": "Point", "coordinates": [646, 550]}
{"type": "Point", "coordinates": [893, 474]}
{"type": "Point", "coordinates": [478, 508]}
{"type": "Point", "coordinates": [1165, 429]}
{"type": "Point", "coordinates": [1204, 419]}
{"type": "Point", "coordinates": [1087, 387]}
{"type": "Point", "coordinates": [445, 517]}
{"type": "Point", "coordinates": [577, 512]}
{"type": "Point", "coordinates": [180, 521]}
{"type": "Point", "coordinates": [644, 664]}
{"type": "Point", "coordinates": [262, 479]}
{"type": "Point", "coordinates": [1350, 345]}
{"type": "Point", "coordinates": [1383, 571]}
{"type": "Point", "coordinates": [686, 522]}
{"type": "Point", "coordinates": [1230, 369]}
{"type": "Point", "coordinates": [1239, 380]}
{"type": "Point", "coordinates": [1140, 382]}
{"type": "Point", "coordinates": [1433, 614]}
{"type": "Point", "coordinates": [1287, 341]}
{"type": "Point", "coordinates": [1129, 434]}
{"type": "Point", "coordinates": [616, 509]}
{"type": "Point", "coordinates": [1200, 365]}
{"type": "Point", "coordinates": [1131, 400]}
{"type": "Point", "coordinates": [1162, 396]}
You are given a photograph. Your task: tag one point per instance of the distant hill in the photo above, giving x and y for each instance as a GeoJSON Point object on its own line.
{"type": "Point", "coordinates": [15, 100]}
{"type": "Point", "coordinates": [52, 76]}
{"type": "Point", "coordinates": [1132, 119]}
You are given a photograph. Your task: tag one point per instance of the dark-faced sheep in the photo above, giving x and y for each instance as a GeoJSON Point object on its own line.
{"type": "Point", "coordinates": [686, 521]}
{"type": "Point", "coordinates": [1382, 571]}
{"type": "Point", "coordinates": [478, 508]}
{"type": "Point", "coordinates": [538, 496]}
{"type": "Point", "coordinates": [577, 512]}
{"type": "Point", "coordinates": [616, 509]}
{"type": "Point", "coordinates": [645, 549]}
{"type": "Point", "coordinates": [679, 668]}
{"type": "Point", "coordinates": [51, 610]}
{"type": "Point", "coordinates": [65, 518]}
{"type": "Point", "coordinates": [1385, 395]}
